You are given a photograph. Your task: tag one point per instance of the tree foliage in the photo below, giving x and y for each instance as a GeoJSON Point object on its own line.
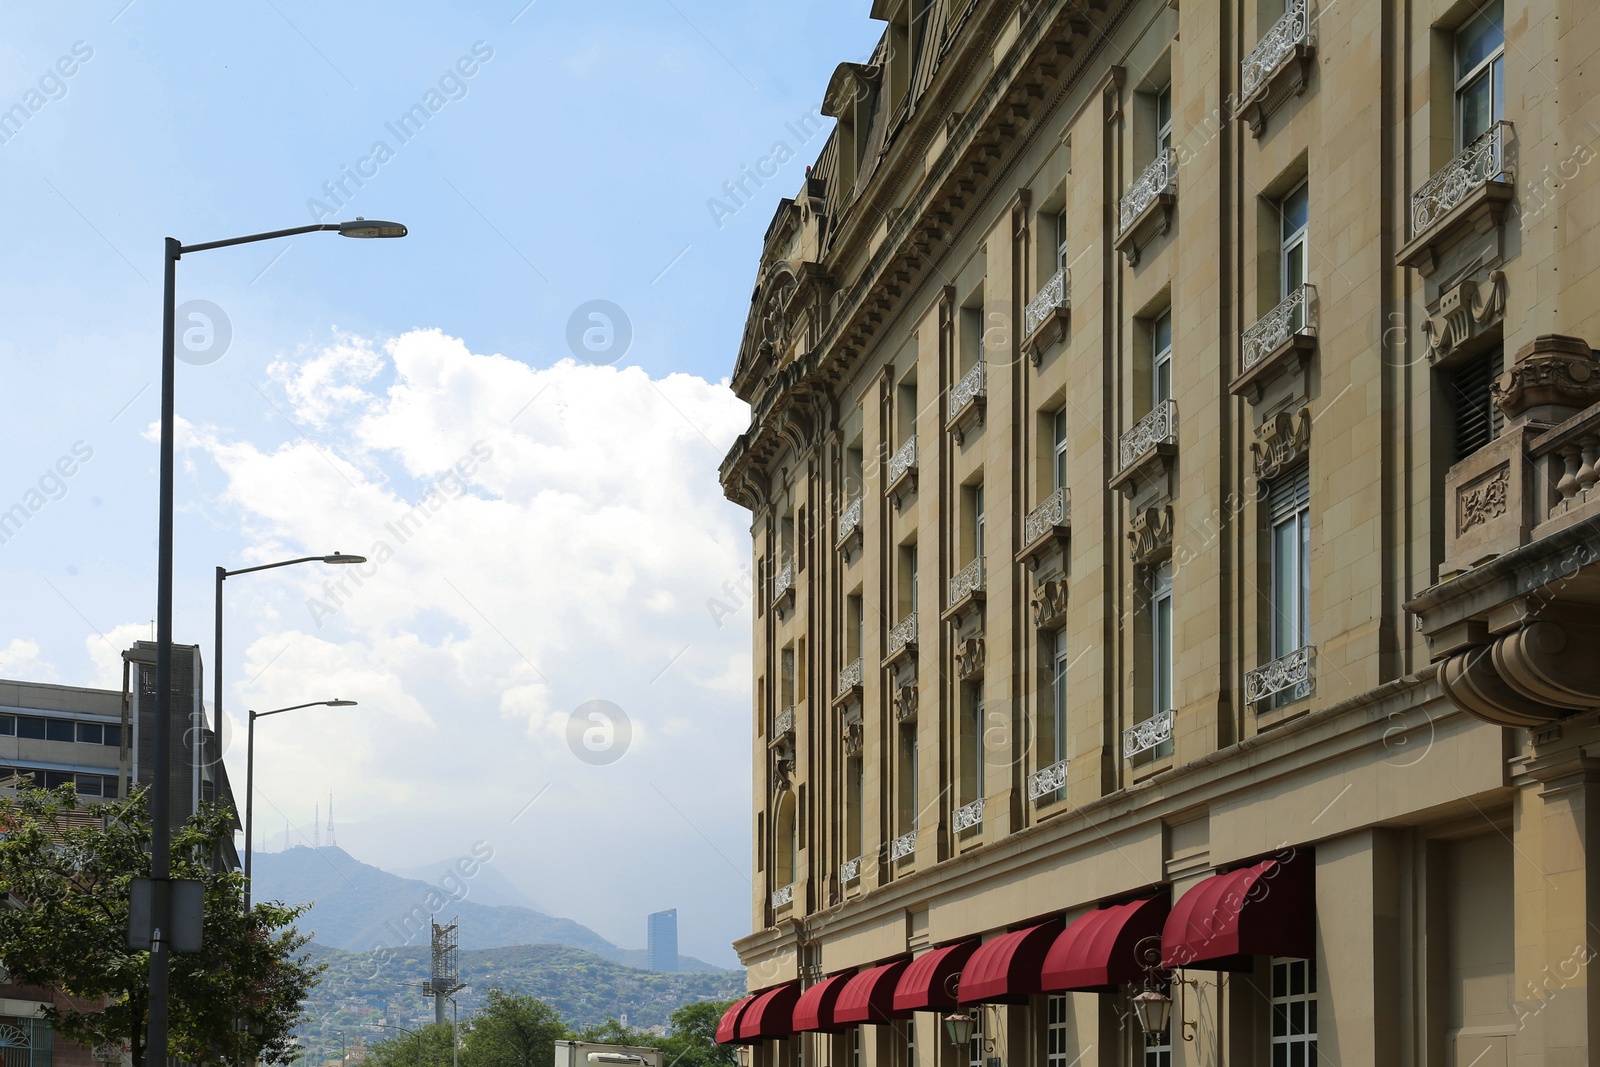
{"type": "Point", "coordinates": [513, 1030]}
{"type": "Point", "coordinates": [691, 1043]}
{"type": "Point", "coordinates": [66, 878]}
{"type": "Point", "coordinates": [400, 1049]}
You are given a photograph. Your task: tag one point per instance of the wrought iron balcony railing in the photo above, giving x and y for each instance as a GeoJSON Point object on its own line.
{"type": "Point", "coordinates": [967, 581]}
{"type": "Point", "coordinates": [1275, 49]}
{"type": "Point", "coordinates": [903, 460]}
{"type": "Point", "coordinates": [1157, 428]}
{"type": "Point", "coordinates": [850, 871]}
{"type": "Point", "coordinates": [903, 634]}
{"type": "Point", "coordinates": [969, 389]}
{"type": "Point", "coordinates": [1143, 736]}
{"type": "Point", "coordinates": [967, 816]}
{"type": "Point", "coordinates": [903, 846]}
{"type": "Point", "coordinates": [1054, 514]}
{"type": "Point", "coordinates": [1294, 314]}
{"type": "Point", "coordinates": [850, 676]}
{"type": "Point", "coordinates": [783, 896]}
{"type": "Point", "coordinates": [783, 722]}
{"type": "Point", "coordinates": [1047, 781]}
{"type": "Point", "coordinates": [1055, 295]}
{"type": "Point", "coordinates": [1291, 673]}
{"type": "Point", "coordinates": [783, 581]}
{"type": "Point", "coordinates": [849, 522]}
{"type": "Point", "coordinates": [1161, 176]}
{"type": "Point", "coordinates": [1481, 162]}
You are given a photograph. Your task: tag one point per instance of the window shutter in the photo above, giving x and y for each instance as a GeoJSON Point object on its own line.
{"type": "Point", "coordinates": [1289, 493]}
{"type": "Point", "coordinates": [1477, 419]}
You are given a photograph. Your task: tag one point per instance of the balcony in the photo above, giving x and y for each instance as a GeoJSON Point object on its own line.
{"type": "Point", "coordinates": [1284, 337]}
{"type": "Point", "coordinates": [1150, 734]}
{"type": "Point", "coordinates": [1045, 526]}
{"type": "Point", "coordinates": [902, 641]}
{"type": "Point", "coordinates": [902, 473]}
{"type": "Point", "coordinates": [783, 896]}
{"type": "Point", "coordinates": [849, 539]}
{"type": "Point", "coordinates": [966, 589]}
{"type": "Point", "coordinates": [850, 871]}
{"type": "Point", "coordinates": [1146, 208]}
{"type": "Point", "coordinates": [1046, 785]}
{"type": "Point", "coordinates": [783, 725]}
{"type": "Point", "coordinates": [1152, 442]}
{"type": "Point", "coordinates": [903, 847]}
{"type": "Point", "coordinates": [848, 684]}
{"type": "Point", "coordinates": [1467, 197]}
{"type": "Point", "coordinates": [1046, 316]}
{"type": "Point", "coordinates": [1278, 67]}
{"type": "Point", "coordinates": [967, 400]}
{"type": "Point", "coordinates": [967, 817]}
{"type": "Point", "coordinates": [783, 588]}
{"type": "Point", "coordinates": [1289, 674]}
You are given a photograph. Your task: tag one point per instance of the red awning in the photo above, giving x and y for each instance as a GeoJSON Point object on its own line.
{"type": "Point", "coordinates": [1096, 953]}
{"type": "Point", "coordinates": [770, 1014]}
{"type": "Point", "coordinates": [818, 1007]}
{"type": "Point", "coordinates": [1268, 909]}
{"type": "Point", "coordinates": [869, 996]}
{"type": "Point", "coordinates": [728, 1028]}
{"type": "Point", "coordinates": [929, 984]}
{"type": "Point", "coordinates": [1007, 967]}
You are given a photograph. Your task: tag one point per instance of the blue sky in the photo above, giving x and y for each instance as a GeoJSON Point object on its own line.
{"type": "Point", "coordinates": [568, 156]}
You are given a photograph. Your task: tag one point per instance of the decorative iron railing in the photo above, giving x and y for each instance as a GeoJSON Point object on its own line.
{"type": "Point", "coordinates": [1160, 427]}
{"type": "Point", "coordinates": [967, 816]}
{"type": "Point", "coordinates": [1056, 293]}
{"type": "Point", "coordinates": [904, 633]}
{"type": "Point", "coordinates": [1291, 672]}
{"type": "Point", "coordinates": [783, 896]}
{"type": "Point", "coordinates": [1048, 781]}
{"type": "Point", "coordinates": [1273, 50]}
{"type": "Point", "coordinates": [850, 676]}
{"type": "Point", "coordinates": [783, 722]}
{"type": "Point", "coordinates": [968, 389]}
{"type": "Point", "coordinates": [783, 581]}
{"type": "Point", "coordinates": [1054, 514]}
{"type": "Point", "coordinates": [849, 871]}
{"type": "Point", "coordinates": [1143, 736]}
{"type": "Point", "coordinates": [967, 580]}
{"type": "Point", "coordinates": [903, 846]}
{"type": "Point", "coordinates": [849, 521]}
{"type": "Point", "coordinates": [1481, 162]}
{"type": "Point", "coordinates": [1295, 314]}
{"type": "Point", "coordinates": [1161, 176]}
{"type": "Point", "coordinates": [904, 459]}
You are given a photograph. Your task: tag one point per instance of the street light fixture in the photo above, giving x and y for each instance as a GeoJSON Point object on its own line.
{"type": "Point", "coordinates": [250, 779]}
{"type": "Point", "coordinates": [161, 795]}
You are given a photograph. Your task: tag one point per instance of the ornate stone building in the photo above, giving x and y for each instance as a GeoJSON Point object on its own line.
{"type": "Point", "coordinates": [1173, 460]}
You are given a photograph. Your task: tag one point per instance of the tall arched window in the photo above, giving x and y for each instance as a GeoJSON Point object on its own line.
{"type": "Point", "coordinates": [784, 846]}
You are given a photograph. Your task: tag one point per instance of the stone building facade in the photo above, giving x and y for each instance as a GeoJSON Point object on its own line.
{"type": "Point", "coordinates": [1175, 431]}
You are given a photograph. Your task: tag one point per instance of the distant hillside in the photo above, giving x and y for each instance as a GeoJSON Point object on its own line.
{"type": "Point", "coordinates": [359, 907]}
{"type": "Point", "coordinates": [361, 988]}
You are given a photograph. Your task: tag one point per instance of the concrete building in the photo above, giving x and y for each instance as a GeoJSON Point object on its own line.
{"type": "Point", "coordinates": [1175, 431]}
{"type": "Point", "coordinates": [662, 942]}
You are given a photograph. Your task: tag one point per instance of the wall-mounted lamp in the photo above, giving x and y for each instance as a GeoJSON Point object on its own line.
{"type": "Point", "coordinates": [1152, 1007]}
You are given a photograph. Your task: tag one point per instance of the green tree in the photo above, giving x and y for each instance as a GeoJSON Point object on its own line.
{"type": "Point", "coordinates": [693, 1041]}
{"type": "Point", "coordinates": [513, 1030]}
{"type": "Point", "coordinates": [398, 1049]}
{"type": "Point", "coordinates": [66, 875]}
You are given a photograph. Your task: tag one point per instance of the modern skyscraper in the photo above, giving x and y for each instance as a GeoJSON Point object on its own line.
{"type": "Point", "coordinates": [663, 940]}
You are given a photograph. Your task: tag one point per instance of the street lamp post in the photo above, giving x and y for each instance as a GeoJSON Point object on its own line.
{"type": "Point", "coordinates": [250, 780]}
{"type": "Point", "coordinates": [223, 574]}
{"type": "Point", "coordinates": [414, 1035]}
{"type": "Point", "coordinates": [161, 795]}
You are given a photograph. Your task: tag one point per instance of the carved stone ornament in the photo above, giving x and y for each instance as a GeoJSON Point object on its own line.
{"type": "Point", "coordinates": [1484, 499]}
{"type": "Point", "coordinates": [905, 702]}
{"type": "Point", "coordinates": [1536, 674]}
{"type": "Point", "coordinates": [1150, 536]}
{"type": "Point", "coordinates": [1549, 371]}
{"type": "Point", "coordinates": [854, 737]}
{"type": "Point", "coordinates": [783, 771]}
{"type": "Point", "coordinates": [1466, 310]}
{"type": "Point", "coordinates": [1280, 443]}
{"type": "Point", "coordinates": [969, 658]}
{"type": "Point", "coordinates": [1049, 601]}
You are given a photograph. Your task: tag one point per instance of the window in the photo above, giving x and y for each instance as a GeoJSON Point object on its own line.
{"type": "Point", "coordinates": [90, 733]}
{"type": "Point", "coordinates": [8, 726]}
{"type": "Point", "coordinates": [1290, 511]}
{"type": "Point", "coordinates": [1058, 694]}
{"type": "Point", "coordinates": [1058, 446]}
{"type": "Point", "coordinates": [920, 10]}
{"type": "Point", "coordinates": [1059, 224]}
{"type": "Point", "coordinates": [1055, 1034]}
{"type": "Point", "coordinates": [1480, 73]}
{"type": "Point", "coordinates": [972, 743]}
{"type": "Point", "coordinates": [111, 736]}
{"type": "Point", "coordinates": [1161, 359]}
{"type": "Point", "coordinates": [786, 675]}
{"type": "Point", "coordinates": [1477, 420]}
{"type": "Point", "coordinates": [1164, 119]}
{"type": "Point", "coordinates": [31, 728]}
{"type": "Point", "coordinates": [908, 580]}
{"type": "Point", "coordinates": [855, 622]}
{"type": "Point", "coordinates": [971, 340]}
{"type": "Point", "coordinates": [1161, 643]}
{"type": "Point", "coordinates": [1294, 212]}
{"type": "Point", "coordinates": [906, 780]}
{"type": "Point", "coordinates": [854, 778]}
{"type": "Point", "coordinates": [60, 730]}
{"type": "Point", "coordinates": [855, 1047]}
{"type": "Point", "coordinates": [1157, 1048]}
{"type": "Point", "coordinates": [1294, 1013]}
{"type": "Point", "coordinates": [972, 522]}
{"type": "Point", "coordinates": [90, 785]}
{"type": "Point", "coordinates": [975, 1041]}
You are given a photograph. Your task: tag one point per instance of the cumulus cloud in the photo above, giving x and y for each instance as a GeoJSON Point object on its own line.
{"type": "Point", "coordinates": [536, 538]}
{"type": "Point", "coordinates": [21, 660]}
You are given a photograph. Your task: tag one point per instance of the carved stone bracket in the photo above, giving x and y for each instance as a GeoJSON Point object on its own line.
{"type": "Point", "coordinates": [1150, 536]}
{"type": "Point", "coordinates": [905, 702]}
{"type": "Point", "coordinates": [1049, 602]}
{"type": "Point", "coordinates": [969, 658]}
{"type": "Point", "coordinates": [1466, 312]}
{"type": "Point", "coordinates": [1550, 372]}
{"type": "Point", "coordinates": [1537, 673]}
{"type": "Point", "coordinates": [1281, 442]}
{"type": "Point", "coordinates": [854, 736]}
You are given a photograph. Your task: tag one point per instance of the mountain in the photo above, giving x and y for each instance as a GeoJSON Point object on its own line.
{"type": "Point", "coordinates": [489, 886]}
{"type": "Point", "coordinates": [359, 907]}
{"type": "Point", "coordinates": [361, 988]}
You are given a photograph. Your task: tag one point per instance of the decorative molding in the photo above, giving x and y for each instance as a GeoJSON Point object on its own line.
{"type": "Point", "coordinates": [1532, 676]}
{"type": "Point", "coordinates": [905, 702]}
{"type": "Point", "coordinates": [1550, 371]}
{"type": "Point", "coordinates": [1150, 536]}
{"type": "Point", "coordinates": [1049, 602]}
{"type": "Point", "coordinates": [1281, 442]}
{"type": "Point", "coordinates": [1484, 499]}
{"type": "Point", "coordinates": [969, 658]}
{"type": "Point", "coordinates": [854, 737]}
{"type": "Point", "coordinates": [1466, 312]}
{"type": "Point", "coordinates": [1290, 672]}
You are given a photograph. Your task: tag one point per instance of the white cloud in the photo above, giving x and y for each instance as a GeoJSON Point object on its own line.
{"type": "Point", "coordinates": [536, 538]}
{"type": "Point", "coordinates": [21, 660]}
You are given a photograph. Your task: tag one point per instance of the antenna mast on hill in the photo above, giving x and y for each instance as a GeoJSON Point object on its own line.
{"type": "Point", "coordinates": [330, 819]}
{"type": "Point", "coordinates": [445, 977]}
